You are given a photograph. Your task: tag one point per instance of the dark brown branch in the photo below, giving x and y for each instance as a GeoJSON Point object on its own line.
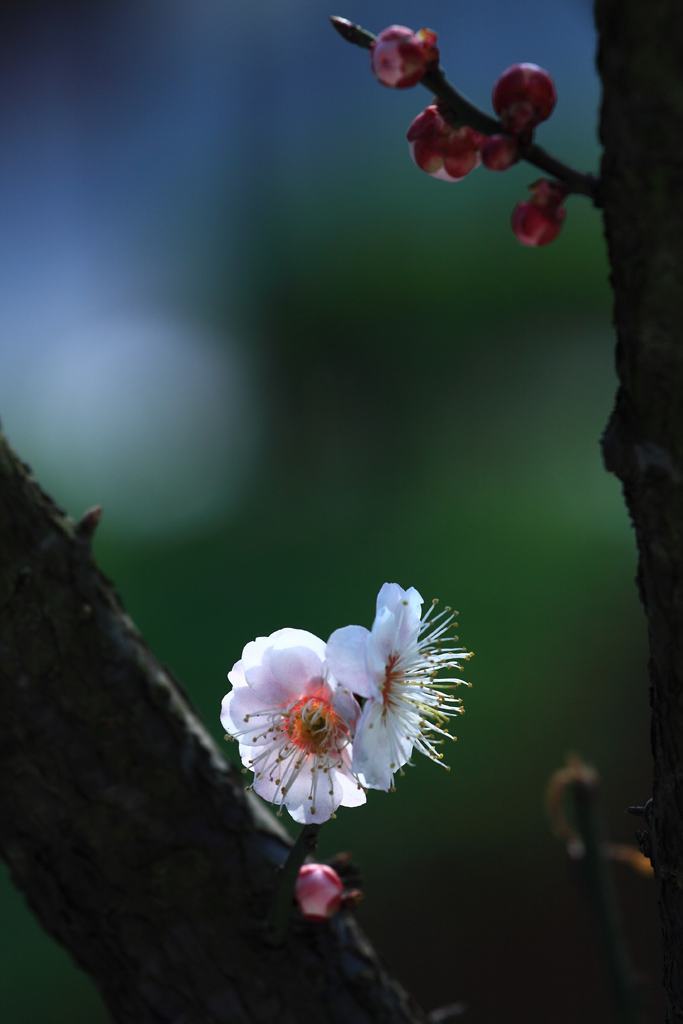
{"type": "Point", "coordinates": [132, 839]}
{"type": "Point", "coordinates": [464, 112]}
{"type": "Point", "coordinates": [640, 61]}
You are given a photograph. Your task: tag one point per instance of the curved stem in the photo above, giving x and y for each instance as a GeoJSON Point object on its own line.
{"type": "Point", "coordinates": [464, 112]}
{"type": "Point", "coordinates": [601, 894]}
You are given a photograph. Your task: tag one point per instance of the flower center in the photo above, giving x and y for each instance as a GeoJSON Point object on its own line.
{"type": "Point", "coordinates": [313, 725]}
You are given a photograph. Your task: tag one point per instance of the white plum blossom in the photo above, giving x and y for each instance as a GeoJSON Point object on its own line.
{"type": "Point", "coordinates": [294, 723]}
{"type": "Point", "coordinates": [393, 666]}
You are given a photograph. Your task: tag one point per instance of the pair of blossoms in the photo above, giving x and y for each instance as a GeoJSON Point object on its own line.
{"type": "Point", "coordinates": [523, 96]}
{"type": "Point", "coordinates": [319, 723]}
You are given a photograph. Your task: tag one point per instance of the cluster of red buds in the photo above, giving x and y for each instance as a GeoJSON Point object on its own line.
{"type": "Point", "coordinates": [523, 96]}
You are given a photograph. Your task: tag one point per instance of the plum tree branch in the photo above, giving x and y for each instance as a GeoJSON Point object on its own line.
{"type": "Point", "coordinates": [464, 112]}
{"type": "Point", "coordinates": [132, 839]}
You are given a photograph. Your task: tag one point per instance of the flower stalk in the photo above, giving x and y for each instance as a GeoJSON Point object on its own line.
{"type": "Point", "coordinates": [579, 782]}
{"type": "Point", "coordinates": [462, 112]}
{"type": "Point", "coordinates": [283, 894]}
{"type": "Point", "coordinates": [601, 893]}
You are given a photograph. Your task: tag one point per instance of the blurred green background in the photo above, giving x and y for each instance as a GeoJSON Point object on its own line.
{"type": "Point", "coordinates": [292, 367]}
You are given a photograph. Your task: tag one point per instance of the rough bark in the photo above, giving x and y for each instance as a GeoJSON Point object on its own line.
{"type": "Point", "coordinates": [132, 839]}
{"type": "Point", "coordinates": [641, 63]}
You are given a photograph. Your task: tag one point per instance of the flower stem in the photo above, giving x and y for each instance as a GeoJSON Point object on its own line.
{"type": "Point", "coordinates": [464, 112]}
{"type": "Point", "coordinates": [283, 895]}
{"type": "Point", "coordinates": [599, 886]}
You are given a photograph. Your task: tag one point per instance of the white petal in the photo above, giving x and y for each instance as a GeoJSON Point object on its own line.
{"type": "Point", "coordinates": [264, 679]}
{"type": "Point", "coordinates": [324, 802]}
{"type": "Point", "coordinates": [347, 707]}
{"type": "Point", "coordinates": [252, 655]}
{"type": "Point", "coordinates": [389, 597]}
{"type": "Point", "coordinates": [393, 635]}
{"type": "Point", "coordinates": [352, 793]}
{"type": "Point", "coordinates": [298, 670]}
{"type": "Point", "coordinates": [381, 643]}
{"type": "Point", "coordinates": [415, 601]}
{"type": "Point", "coordinates": [345, 656]}
{"type": "Point", "coordinates": [243, 710]}
{"type": "Point", "coordinates": [380, 748]}
{"type": "Point", "coordinates": [236, 675]}
{"type": "Point", "coordinates": [260, 680]}
{"type": "Point", "coordinates": [284, 638]}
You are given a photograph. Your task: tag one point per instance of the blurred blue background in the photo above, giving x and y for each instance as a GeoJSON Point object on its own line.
{"type": "Point", "coordinates": [291, 367]}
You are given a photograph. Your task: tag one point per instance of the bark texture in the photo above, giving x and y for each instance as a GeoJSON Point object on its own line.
{"type": "Point", "coordinates": [641, 64]}
{"type": "Point", "coordinates": [132, 839]}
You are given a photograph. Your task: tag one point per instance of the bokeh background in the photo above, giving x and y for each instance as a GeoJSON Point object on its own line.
{"type": "Point", "coordinates": [291, 366]}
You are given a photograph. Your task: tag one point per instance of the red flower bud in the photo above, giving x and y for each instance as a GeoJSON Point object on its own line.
{"type": "Point", "coordinates": [523, 96]}
{"type": "Point", "coordinates": [498, 152]}
{"type": "Point", "coordinates": [318, 892]}
{"type": "Point", "coordinates": [534, 226]}
{"type": "Point", "coordinates": [441, 150]}
{"type": "Point", "coordinates": [538, 221]}
{"type": "Point", "coordinates": [400, 57]}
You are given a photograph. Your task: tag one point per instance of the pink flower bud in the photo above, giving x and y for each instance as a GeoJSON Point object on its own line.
{"type": "Point", "coordinates": [498, 152]}
{"type": "Point", "coordinates": [441, 150]}
{"type": "Point", "coordinates": [538, 221]}
{"type": "Point", "coordinates": [318, 892]}
{"type": "Point", "coordinates": [534, 226]}
{"type": "Point", "coordinates": [400, 57]}
{"type": "Point", "coordinates": [523, 96]}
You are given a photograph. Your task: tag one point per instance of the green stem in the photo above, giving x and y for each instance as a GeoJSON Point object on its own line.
{"type": "Point", "coordinates": [601, 893]}
{"type": "Point", "coordinates": [464, 112]}
{"type": "Point", "coordinates": [283, 896]}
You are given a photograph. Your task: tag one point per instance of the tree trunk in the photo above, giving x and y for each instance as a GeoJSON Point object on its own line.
{"type": "Point", "coordinates": [132, 839]}
{"type": "Point", "coordinates": [641, 63]}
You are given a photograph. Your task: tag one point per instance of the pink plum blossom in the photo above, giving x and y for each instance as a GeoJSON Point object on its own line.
{"type": "Point", "coordinates": [393, 666]}
{"type": "Point", "coordinates": [294, 723]}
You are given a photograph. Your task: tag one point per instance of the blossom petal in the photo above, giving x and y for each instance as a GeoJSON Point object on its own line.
{"type": "Point", "coordinates": [310, 782]}
{"type": "Point", "coordinates": [275, 675]}
{"type": "Point", "coordinates": [242, 710]}
{"type": "Point", "coordinates": [382, 643]}
{"type": "Point", "coordinates": [345, 656]}
{"type": "Point", "coordinates": [254, 673]}
{"type": "Point", "coordinates": [282, 639]}
{"type": "Point", "coordinates": [236, 675]}
{"type": "Point", "coordinates": [298, 670]}
{"type": "Point", "coordinates": [353, 794]}
{"type": "Point", "coordinates": [390, 595]}
{"type": "Point", "coordinates": [393, 631]}
{"type": "Point", "coordinates": [380, 748]}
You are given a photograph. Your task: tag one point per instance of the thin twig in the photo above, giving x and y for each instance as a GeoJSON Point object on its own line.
{"type": "Point", "coordinates": [599, 886]}
{"type": "Point", "coordinates": [464, 112]}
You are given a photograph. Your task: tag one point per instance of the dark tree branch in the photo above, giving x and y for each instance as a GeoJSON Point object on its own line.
{"type": "Point", "coordinates": [640, 60]}
{"type": "Point", "coordinates": [132, 839]}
